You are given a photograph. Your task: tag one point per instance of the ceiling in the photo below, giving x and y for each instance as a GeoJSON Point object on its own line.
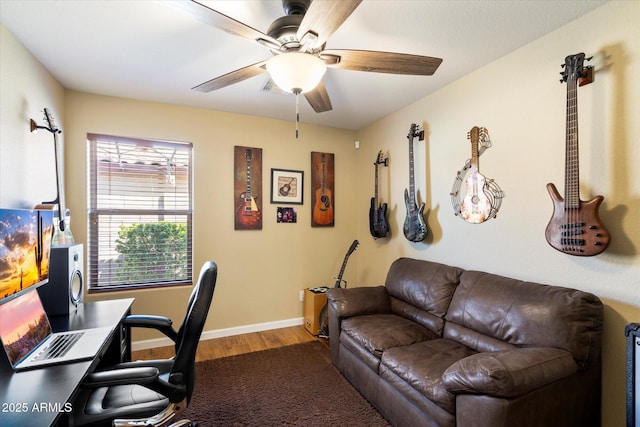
{"type": "Point", "coordinates": [146, 50]}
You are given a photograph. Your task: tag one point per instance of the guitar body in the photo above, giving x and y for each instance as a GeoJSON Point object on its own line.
{"type": "Point", "coordinates": [476, 206]}
{"type": "Point", "coordinates": [415, 229]}
{"type": "Point", "coordinates": [248, 213]}
{"type": "Point", "coordinates": [576, 231]}
{"type": "Point", "coordinates": [378, 224]}
{"type": "Point", "coordinates": [323, 208]}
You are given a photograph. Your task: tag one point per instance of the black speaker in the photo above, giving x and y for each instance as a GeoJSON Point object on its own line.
{"type": "Point", "coordinates": [64, 291]}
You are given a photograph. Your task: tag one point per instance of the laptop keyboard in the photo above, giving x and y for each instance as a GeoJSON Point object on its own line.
{"type": "Point", "coordinates": [59, 346]}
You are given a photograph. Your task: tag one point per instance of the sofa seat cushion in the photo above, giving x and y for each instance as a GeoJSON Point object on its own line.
{"type": "Point", "coordinates": [379, 332]}
{"type": "Point", "coordinates": [422, 365]}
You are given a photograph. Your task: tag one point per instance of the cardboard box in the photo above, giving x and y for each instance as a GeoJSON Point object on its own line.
{"type": "Point", "coordinates": [314, 300]}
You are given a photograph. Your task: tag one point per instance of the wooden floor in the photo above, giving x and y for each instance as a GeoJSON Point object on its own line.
{"type": "Point", "coordinates": [237, 344]}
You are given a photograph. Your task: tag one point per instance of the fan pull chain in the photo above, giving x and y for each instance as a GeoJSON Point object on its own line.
{"type": "Point", "coordinates": [297, 112]}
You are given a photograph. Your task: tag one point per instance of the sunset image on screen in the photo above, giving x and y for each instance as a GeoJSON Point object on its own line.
{"type": "Point", "coordinates": [25, 243]}
{"type": "Point", "coordinates": [23, 325]}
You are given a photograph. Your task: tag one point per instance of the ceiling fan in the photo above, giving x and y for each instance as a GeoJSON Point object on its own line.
{"type": "Point", "coordinates": [297, 41]}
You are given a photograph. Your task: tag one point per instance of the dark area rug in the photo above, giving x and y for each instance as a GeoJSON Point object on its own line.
{"type": "Point", "coordinates": [289, 386]}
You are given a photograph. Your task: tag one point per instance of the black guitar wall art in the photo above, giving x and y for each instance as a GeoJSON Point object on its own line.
{"type": "Point", "coordinates": [415, 228]}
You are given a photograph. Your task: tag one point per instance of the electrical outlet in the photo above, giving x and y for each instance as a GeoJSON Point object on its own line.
{"type": "Point", "coordinates": [302, 296]}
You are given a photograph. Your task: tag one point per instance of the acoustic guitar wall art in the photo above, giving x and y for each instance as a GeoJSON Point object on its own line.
{"type": "Point", "coordinates": [322, 185]}
{"type": "Point", "coordinates": [575, 227]}
{"type": "Point", "coordinates": [482, 196]}
{"type": "Point", "coordinates": [248, 187]}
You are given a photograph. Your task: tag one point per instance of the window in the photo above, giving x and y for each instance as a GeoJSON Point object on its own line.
{"type": "Point", "coordinates": [139, 213]}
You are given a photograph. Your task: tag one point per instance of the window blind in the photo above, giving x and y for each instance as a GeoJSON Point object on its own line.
{"type": "Point", "coordinates": [139, 212]}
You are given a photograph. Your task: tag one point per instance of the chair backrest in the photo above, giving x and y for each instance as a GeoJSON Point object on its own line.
{"type": "Point", "coordinates": [183, 371]}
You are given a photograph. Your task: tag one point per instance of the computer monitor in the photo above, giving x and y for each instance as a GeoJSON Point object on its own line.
{"type": "Point", "coordinates": [25, 247]}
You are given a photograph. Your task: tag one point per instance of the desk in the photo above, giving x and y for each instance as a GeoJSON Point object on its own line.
{"type": "Point", "coordinates": [40, 397]}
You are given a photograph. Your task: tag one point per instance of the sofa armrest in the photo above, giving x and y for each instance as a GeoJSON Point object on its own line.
{"type": "Point", "coordinates": [358, 301]}
{"type": "Point", "coordinates": [508, 373]}
{"type": "Point", "coordinates": [344, 303]}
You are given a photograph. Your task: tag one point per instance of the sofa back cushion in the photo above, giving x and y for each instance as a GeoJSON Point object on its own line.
{"type": "Point", "coordinates": [487, 309]}
{"type": "Point", "coordinates": [422, 290]}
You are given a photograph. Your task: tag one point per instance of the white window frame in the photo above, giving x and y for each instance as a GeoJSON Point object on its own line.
{"type": "Point", "coordinates": [125, 187]}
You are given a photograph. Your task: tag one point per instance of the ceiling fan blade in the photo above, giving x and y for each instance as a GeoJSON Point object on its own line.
{"type": "Point", "coordinates": [322, 19]}
{"type": "Point", "coordinates": [381, 62]}
{"type": "Point", "coordinates": [232, 77]}
{"type": "Point", "coordinates": [318, 98]}
{"type": "Point", "coordinates": [223, 22]}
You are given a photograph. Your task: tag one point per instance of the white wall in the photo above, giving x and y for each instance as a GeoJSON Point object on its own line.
{"type": "Point", "coordinates": [520, 100]}
{"type": "Point", "coordinates": [27, 166]}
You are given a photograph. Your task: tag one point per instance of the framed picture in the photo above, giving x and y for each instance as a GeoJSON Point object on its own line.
{"type": "Point", "coordinates": [286, 215]}
{"type": "Point", "coordinates": [247, 188]}
{"type": "Point", "coordinates": [287, 186]}
{"type": "Point", "coordinates": [322, 189]}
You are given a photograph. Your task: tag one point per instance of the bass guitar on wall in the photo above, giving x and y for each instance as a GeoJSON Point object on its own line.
{"type": "Point", "coordinates": [415, 229]}
{"type": "Point", "coordinates": [378, 224]}
{"type": "Point", "coordinates": [575, 227]}
{"type": "Point", "coordinates": [324, 316]}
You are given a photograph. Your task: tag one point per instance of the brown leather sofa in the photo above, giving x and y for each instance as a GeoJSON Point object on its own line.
{"type": "Point", "coordinates": [441, 346]}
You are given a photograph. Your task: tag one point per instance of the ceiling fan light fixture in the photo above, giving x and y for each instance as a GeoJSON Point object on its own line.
{"type": "Point", "coordinates": [296, 72]}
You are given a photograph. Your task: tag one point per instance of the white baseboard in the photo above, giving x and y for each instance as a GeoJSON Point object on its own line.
{"type": "Point", "coordinates": [220, 333]}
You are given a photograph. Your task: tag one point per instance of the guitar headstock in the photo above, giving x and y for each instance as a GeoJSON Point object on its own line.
{"type": "Point", "coordinates": [49, 119]}
{"type": "Point", "coordinates": [414, 131]}
{"type": "Point", "coordinates": [574, 69]}
{"type": "Point", "coordinates": [380, 159]}
{"type": "Point", "coordinates": [474, 134]}
{"type": "Point", "coordinates": [479, 134]}
{"type": "Point", "coordinates": [353, 247]}
{"type": "Point", "coordinates": [51, 126]}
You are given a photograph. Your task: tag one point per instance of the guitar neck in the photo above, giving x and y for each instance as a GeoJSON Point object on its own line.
{"type": "Point", "coordinates": [412, 188]}
{"type": "Point", "coordinates": [474, 154]}
{"type": "Point", "coordinates": [247, 194]}
{"type": "Point", "coordinates": [572, 175]}
{"type": "Point", "coordinates": [339, 278]}
{"type": "Point", "coordinates": [60, 199]}
{"type": "Point", "coordinates": [376, 187]}
{"type": "Point", "coordinates": [323, 176]}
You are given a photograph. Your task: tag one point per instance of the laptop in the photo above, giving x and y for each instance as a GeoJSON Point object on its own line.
{"type": "Point", "coordinates": [29, 343]}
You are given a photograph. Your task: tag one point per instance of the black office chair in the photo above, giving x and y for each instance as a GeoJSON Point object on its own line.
{"type": "Point", "coordinates": [150, 392]}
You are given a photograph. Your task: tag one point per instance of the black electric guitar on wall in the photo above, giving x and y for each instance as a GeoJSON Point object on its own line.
{"type": "Point", "coordinates": [575, 227]}
{"type": "Point", "coordinates": [415, 229]}
{"type": "Point", "coordinates": [378, 224]}
{"type": "Point", "coordinates": [324, 316]}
